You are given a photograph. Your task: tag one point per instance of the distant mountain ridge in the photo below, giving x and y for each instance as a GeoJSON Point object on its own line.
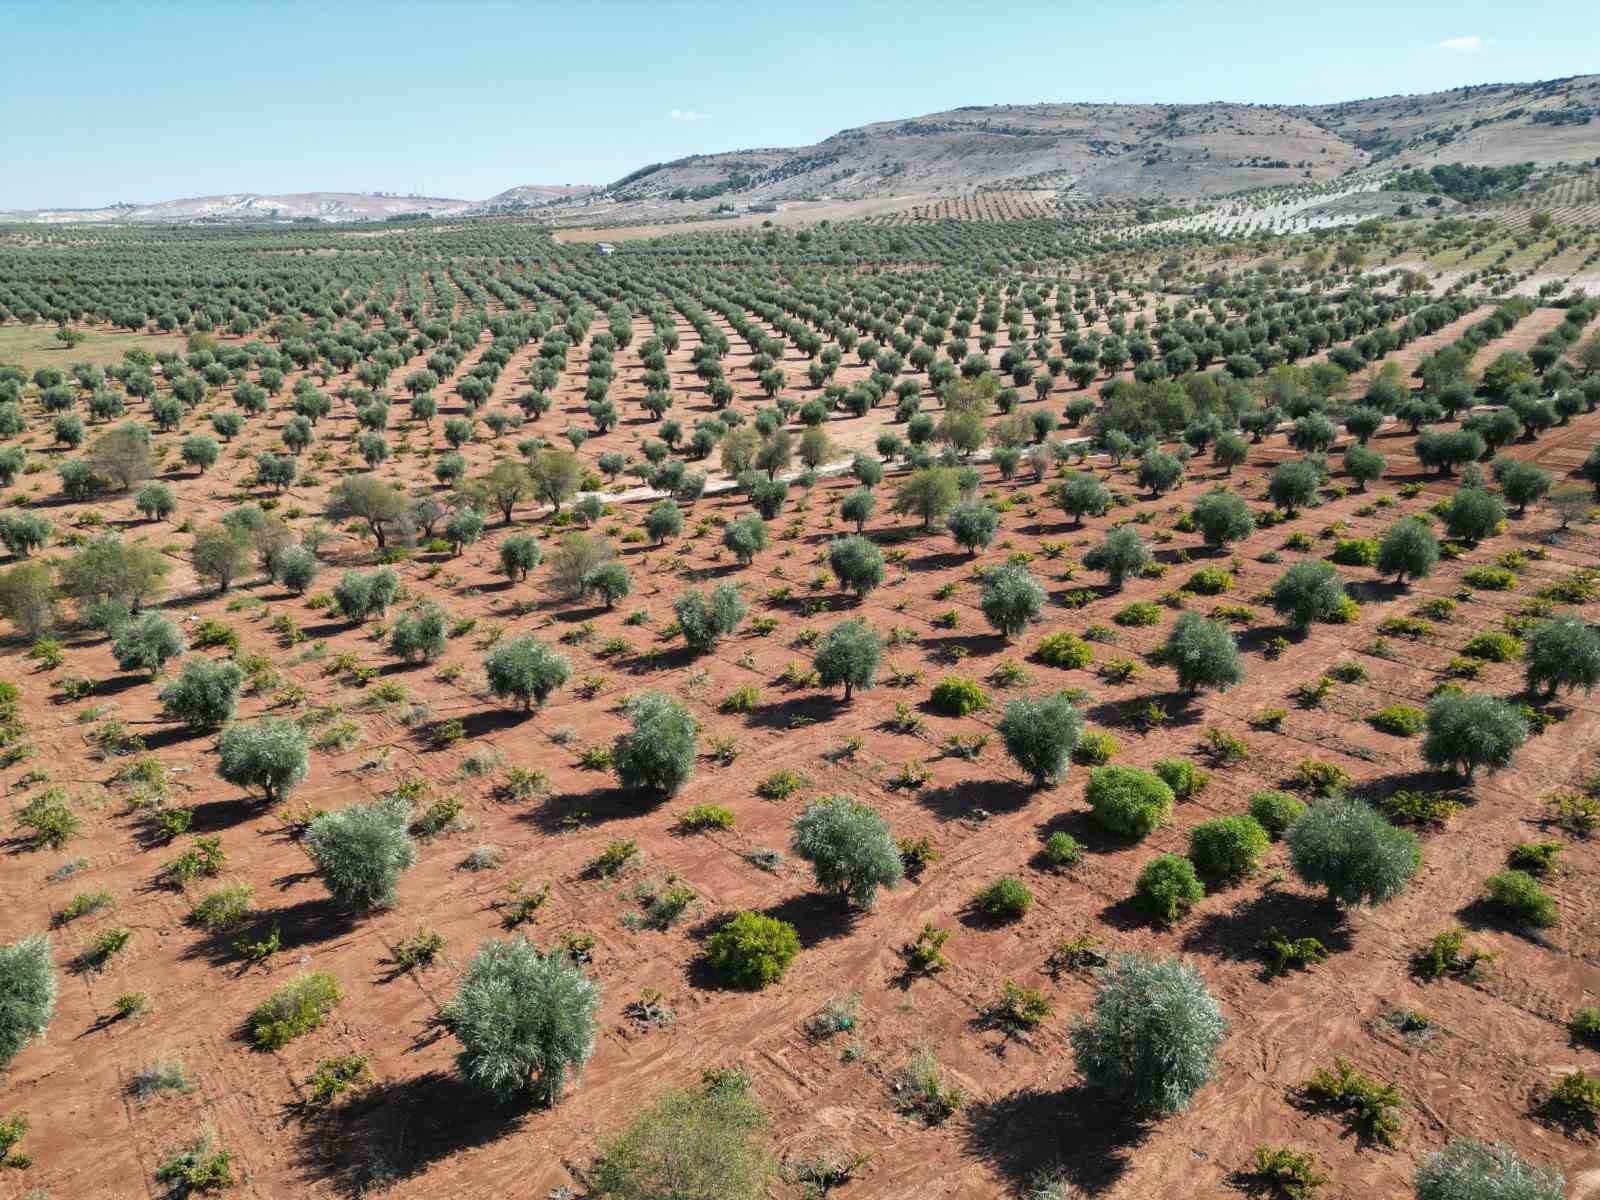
{"type": "Point", "coordinates": [1175, 151]}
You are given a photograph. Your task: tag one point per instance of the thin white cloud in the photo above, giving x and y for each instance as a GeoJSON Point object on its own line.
{"type": "Point", "coordinates": [688, 114]}
{"type": "Point", "coordinates": [1463, 45]}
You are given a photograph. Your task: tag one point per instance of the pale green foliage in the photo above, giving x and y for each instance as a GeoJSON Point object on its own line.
{"type": "Point", "coordinates": [525, 1021]}
{"type": "Point", "coordinates": [848, 655]}
{"type": "Point", "coordinates": [1011, 598]}
{"type": "Point", "coordinates": [1203, 653]}
{"type": "Point", "coordinates": [706, 620]}
{"type": "Point", "coordinates": [1150, 1040]}
{"type": "Point", "coordinates": [657, 754]}
{"type": "Point", "coordinates": [1347, 847]}
{"type": "Point", "coordinates": [204, 694]}
{"type": "Point", "coordinates": [526, 669]}
{"type": "Point", "coordinates": [1120, 555]}
{"type": "Point", "coordinates": [1468, 1169]}
{"type": "Point", "coordinates": [269, 754]}
{"type": "Point", "coordinates": [849, 847]}
{"type": "Point", "coordinates": [146, 643]}
{"type": "Point", "coordinates": [1041, 736]}
{"type": "Point", "coordinates": [703, 1143]}
{"type": "Point", "coordinates": [1308, 592]}
{"type": "Point", "coordinates": [1562, 653]}
{"type": "Point", "coordinates": [27, 994]}
{"type": "Point", "coordinates": [1471, 730]}
{"type": "Point", "coordinates": [361, 851]}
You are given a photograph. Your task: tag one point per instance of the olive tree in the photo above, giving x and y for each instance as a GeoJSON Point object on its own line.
{"type": "Point", "coordinates": [1011, 598]}
{"type": "Point", "coordinates": [204, 694]}
{"type": "Point", "coordinates": [1562, 653]}
{"type": "Point", "coordinates": [746, 536]}
{"type": "Point", "coordinates": [1040, 735]}
{"type": "Point", "coordinates": [519, 554]}
{"type": "Point", "coordinates": [657, 753]}
{"type": "Point", "coordinates": [849, 847]}
{"type": "Point", "coordinates": [856, 563]}
{"type": "Point", "coordinates": [270, 754]}
{"type": "Point", "coordinates": [525, 669]}
{"type": "Point", "coordinates": [1347, 847]}
{"type": "Point", "coordinates": [146, 643]}
{"type": "Point", "coordinates": [419, 635]}
{"type": "Point", "coordinates": [1468, 730]}
{"type": "Point", "coordinates": [526, 1021]}
{"type": "Point", "coordinates": [1203, 653]}
{"type": "Point", "coordinates": [1159, 471]}
{"type": "Point", "coordinates": [705, 1141]}
{"type": "Point", "coordinates": [1364, 464]}
{"type": "Point", "coordinates": [705, 620]}
{"type": "Point", "coordinates": [362, 851]}
{"type": "Point", "coordinates": [848, 655]}
{"type": "Point", "coordinates": [1222, 517]}
{"type": "Point", "coordinates": [1293, 484]}
{"type": "Point", "coordinates": [1408, 547]}
{"type": "Point", "coordinates": [858, 505]}
{"type": "Point", "coordinates": [1306, 593]}
{"type": "Point", "coordinates": [1121, 554]}
{"type": "Point", "coordinates": [929, 493]}
{"type": "Point", "coordinates": [1473, 515]}
{"type": "Point", "coordinates": [27, 994]}
{"type": "Point", "coordinates": [1081, 495]}
{"type": "Point", "coordinates": [1150, 1038]}
{"type": "Point", "coordinates": [973, 524]}
{"type": "Point", "coordinates": [1467, 1169]}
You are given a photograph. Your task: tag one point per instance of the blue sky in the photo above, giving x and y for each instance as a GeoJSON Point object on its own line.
{"type": "Point", "coordinates": [147, 101]}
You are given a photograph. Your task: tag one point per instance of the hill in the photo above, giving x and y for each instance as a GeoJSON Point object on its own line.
{"type": "Point", "coordinates": [1072, 151]}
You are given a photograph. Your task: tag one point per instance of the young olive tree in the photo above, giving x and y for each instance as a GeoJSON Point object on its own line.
{"type": "Point", "coordinates": [1467, 1169]}
{"type": "Point", "coordinates": [848, 656]}
{"type": "Point", "coordinates": [1040, 735]}
{"type": "Point", "coordinates": [1120, 555]}
{"type": "Point", "coordinates": [705, 1141]}
{"type": "Point", "coordinates": [525, 669]}
{"type": "Point", "coordinates": [656, 755]}
{"type": "Point", "coordinates": [146, 643]}
{"type": "Point", "coordinates": [1306, 593]}
{"type": "Point", "coordinates": [1471, 730]}
{"type": "Point", "coordinates": [27, 994]}
{"type": "Point", "coordinates": [856, 563]}
{"type": "Point", "coordinates": [1562, 653]}
{"type": "Point", "coordinates": [1203, 653]}
{"type": "Point", "coordinates": [706, 620]}
{"type": "Point", "coordinates": [1347, 847]}
{"type": "Point", "coordinates": [362, 851]}
{"type": "Point", "coordinates": [1408, 547]}
{"type": "Point", "coordinates": [1011, 599]}
{"type": "Point", "coordinates": [973, 524]}
{"type": "Point", "coordinates": [1150, 1039]}
{"type": "Point", "coordinates": [1222, 517]}
{"type": "Point", "coordinates": [525, 1020]}
{"type": "Point", "coordinates": [269, 754]}
{"type": "Point", "coordinates": [205, 693]}
{"type": "Point", "coordinates": [849, 847]}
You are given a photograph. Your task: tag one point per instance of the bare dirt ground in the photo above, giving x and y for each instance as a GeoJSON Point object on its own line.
{"type": "Point", "coordinates": [1500, 1041]}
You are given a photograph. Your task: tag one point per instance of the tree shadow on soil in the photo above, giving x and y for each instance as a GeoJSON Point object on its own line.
{"type": "Point", "coordinates": [300, 925]}
{"type": "Point", "coordinates": [559, 812]}
{"type": "Point", "coordinates": [810, 709]}
{"type": "Point", "coordinates": [956, 801]}
{"type": "Point", "coordinates": [1238, 933]}
{"type": "Point", "coordinates": [1020, 1136]}
{"type": "Point", "coordinates": [816, 916]}
{"type": "Point", "coordinates": [396, 1130]}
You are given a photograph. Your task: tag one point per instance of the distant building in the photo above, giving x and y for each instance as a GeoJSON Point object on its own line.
{"type": "Point", "coordinates": [604, 248]}
{"type": "Point", "coordinates": [763, 208]}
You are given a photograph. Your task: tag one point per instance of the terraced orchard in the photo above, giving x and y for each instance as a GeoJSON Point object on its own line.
{"type": "Point", "coordinates": [480, 714]}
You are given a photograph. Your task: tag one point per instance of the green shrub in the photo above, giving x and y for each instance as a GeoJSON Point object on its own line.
{"type": "Point", "coordinates": [1355, 552]}
{"type": "Point", "coordinates": [1184, 778]}
{"type": "Point", "coordinates": [1275, 811]}
{"type": "Point", "coordinates": [224, 908]}
{"type": "Point", "coordinates": [1401, 720]}
{"type": "Point", "coordinates": [1493, 646]}
{"type": "Point", "coordinates": [1095, 748]}
{"type": "Point", "coordinates": [752, 951]}
{"type": "Point", "coordinates": [1518, 896]}
{"type": "Point", "coordinates": [957, 697]}
{"type": "Point", "coordinates": [1061, 849]}
{"type": "Point", "coordinates": [1006, 899]}
{"type": "Point", "coordinates": [1168, 887]}
{"type": "Point", "coordinates": [1210, 581]}
{"type": "Point", "coordinates": [1490, 579]}
{"type": "Point", "coordinates": [1288, 1173]}
{"type": "Point", "coordinates": [298, 1007]}
{"type": "Point", "coordinates": [1065, 650]}
{"type": "Point", "coordinates": [1373, 1109]}
{"type": "Point", "coordinates": [706, 1141]}
{"type": "Point", "coordinates": [1142, 613]}
{"type": "Point", "coordinates": [706, 816]}
{"type": "Point", "coordinates": [1128, 801]}
{"type": "Point", "coordinates": [1228, 847]}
